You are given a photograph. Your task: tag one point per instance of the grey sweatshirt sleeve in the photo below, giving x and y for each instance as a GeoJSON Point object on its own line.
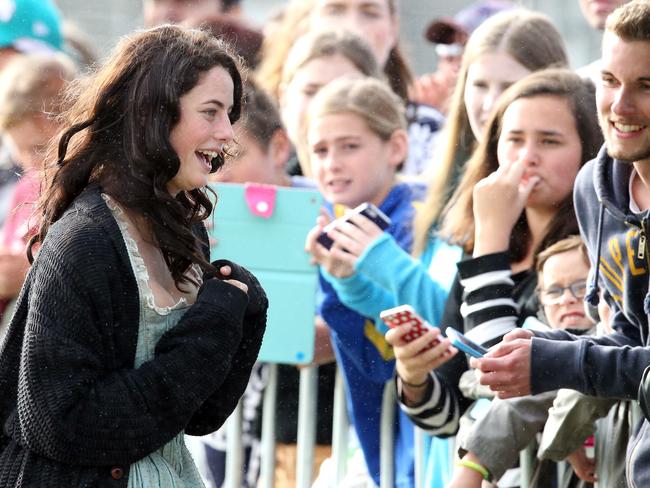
{"type": "Point", "coordinates": [507, 428]}
{"type": "Point", "coordinates": [570, 421]}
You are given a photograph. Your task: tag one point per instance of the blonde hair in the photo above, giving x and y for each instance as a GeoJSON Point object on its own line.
{"type": "Point", "coordinates": [370, 99]}
{"type": "Point", "coordinates": [571, 243]}
{"type": "Point", "coordinates": [532, 40]}
{"type": "Point", "coordinates": [319, 44]}
{"type": "Point", "coordinates": [630, 22]}
{"type": "Point", "coordinates": [32, 84]}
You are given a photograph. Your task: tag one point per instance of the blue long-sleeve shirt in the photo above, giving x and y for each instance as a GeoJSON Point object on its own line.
{"type": "Point", "coordinates": [386, 276]}
{"type": "Point", "coordinates": [365, 358]}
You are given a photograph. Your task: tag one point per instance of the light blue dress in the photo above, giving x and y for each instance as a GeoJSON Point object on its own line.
{"type": "Point", "coordinates": [171, 466]}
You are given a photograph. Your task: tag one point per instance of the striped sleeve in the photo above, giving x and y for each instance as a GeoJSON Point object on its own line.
{"type": "Point", "coordinates": [438, 413]}
{"type": "Point", "coordinates": [488, 308]}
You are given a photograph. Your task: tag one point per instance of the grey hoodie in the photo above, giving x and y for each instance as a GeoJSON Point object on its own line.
{"type": "Point", "coordinates": [611, 365]}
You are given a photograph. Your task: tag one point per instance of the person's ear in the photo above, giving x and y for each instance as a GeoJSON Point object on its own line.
{"type": "Point", "coordinates": [398, 146]}
{"type": "Point", "coordinates": [279, 148]}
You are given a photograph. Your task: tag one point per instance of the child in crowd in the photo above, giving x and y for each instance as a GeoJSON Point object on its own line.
{"type": "Point", "coordinates": [514, 201]}
{"type": "Point", "coordinates": [31, 96]}
{"type": "Point", "coordinates": [316, 59]}
{"type": "Point", "coordinates": [357, 140]}
{"type": "Point", "coordinates": [377, 22]}
{"type": "Point", "coordinates": [574, 417]}
{"type": "Point", "coordinates": [508, 426]}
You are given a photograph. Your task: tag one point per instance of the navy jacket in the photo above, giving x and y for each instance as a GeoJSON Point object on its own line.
{"type": "Point", "coordinates": [612, 365]}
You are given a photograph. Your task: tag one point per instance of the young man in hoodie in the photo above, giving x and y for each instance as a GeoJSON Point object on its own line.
{"type": "Point", "coordinates": [612, 200]}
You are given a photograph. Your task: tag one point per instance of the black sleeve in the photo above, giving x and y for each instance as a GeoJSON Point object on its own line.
{"type": "Point", "coordinates": [216, 409]}
{"type": "Point", "coordinates": [74, 406]}
{"type": "Point", "coordinates": [449, 373]}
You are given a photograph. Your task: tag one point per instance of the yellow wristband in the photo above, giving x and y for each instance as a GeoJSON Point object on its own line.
{"type": "Point", "coordinates": [475, 467]}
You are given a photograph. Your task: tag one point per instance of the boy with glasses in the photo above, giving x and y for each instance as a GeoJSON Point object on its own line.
{"type": "Point", "coordinates": [493, 442]}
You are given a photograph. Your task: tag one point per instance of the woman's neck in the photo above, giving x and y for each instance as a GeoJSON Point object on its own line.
{"type": "Point", "coordinates": [538, 222]}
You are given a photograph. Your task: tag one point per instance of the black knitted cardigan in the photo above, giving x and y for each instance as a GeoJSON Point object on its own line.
{"type": "Point", "coordinates": [73, 409]}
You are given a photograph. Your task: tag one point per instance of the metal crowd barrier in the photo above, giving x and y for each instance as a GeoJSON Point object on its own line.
{"type": "Point", "coordinates": [307, 434]}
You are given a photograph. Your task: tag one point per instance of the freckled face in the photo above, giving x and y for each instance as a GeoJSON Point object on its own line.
{"type": "Point", "coordinates": [351, 164]}
{"type": "Point", "coordinates": [203, 130]}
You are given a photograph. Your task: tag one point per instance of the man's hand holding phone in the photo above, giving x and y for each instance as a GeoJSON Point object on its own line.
{"type": "Point", "coordinates": [465, 344]}
{"type": "Point", "coordinates": [506, 368]}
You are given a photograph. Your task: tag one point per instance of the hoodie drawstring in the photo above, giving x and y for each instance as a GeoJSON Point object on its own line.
{"type": "Point", "coordinates": [593, 290]}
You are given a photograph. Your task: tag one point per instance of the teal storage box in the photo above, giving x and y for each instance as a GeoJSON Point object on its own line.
{"type": "Point", "coordinates": [263, 228]}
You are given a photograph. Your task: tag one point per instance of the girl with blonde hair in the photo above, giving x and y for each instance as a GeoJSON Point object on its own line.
{"type": "Point", "coordinates": [356, 140]}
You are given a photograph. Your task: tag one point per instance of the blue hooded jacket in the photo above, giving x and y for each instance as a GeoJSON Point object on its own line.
{"type": "Point", "coordinates": [611, 365]}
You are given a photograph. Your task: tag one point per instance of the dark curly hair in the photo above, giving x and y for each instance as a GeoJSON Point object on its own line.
{"type": "Point", "coordinates": [117, 136]}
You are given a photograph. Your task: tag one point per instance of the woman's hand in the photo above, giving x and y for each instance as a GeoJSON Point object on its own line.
{"type": "Point", "coordinates": [499, 200]}
{"type": "Point", "coordinates": [415, 359]}
{"type": "Point", "coordinates": [238, 276]}
{"type": "Point", "coordinates": [583, 466]}
{"type": "Point", "coordinates": [354, 235]}
{"type": "Point", "coordinates": [225, 271]}
{"type": "Point", "coordinates": [334, 260]}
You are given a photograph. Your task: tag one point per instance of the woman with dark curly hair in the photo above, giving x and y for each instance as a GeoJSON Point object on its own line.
{"type": "Point", "coordinates": [125, 336]}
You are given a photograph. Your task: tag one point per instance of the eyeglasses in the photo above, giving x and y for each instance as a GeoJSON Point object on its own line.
{"type": "Point", "coordinates": [553, 295]}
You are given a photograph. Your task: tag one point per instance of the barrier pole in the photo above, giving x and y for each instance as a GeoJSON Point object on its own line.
{"type": "Point", "coordinates": [267, 467]}
{"type": "Point", "coordinates": [340, 428]}
{"type": "Point", "coordinates": [306, 425]}
{"type": "Point", "coordinates": [234, 450]}
{"type": "Point", "coordinates": [387, 442]}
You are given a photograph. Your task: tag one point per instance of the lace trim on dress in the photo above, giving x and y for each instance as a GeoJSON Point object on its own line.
{"type": "Point", "coordinates": [139, 266]}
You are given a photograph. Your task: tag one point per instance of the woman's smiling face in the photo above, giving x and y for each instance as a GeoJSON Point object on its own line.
{"type": "Point", "coordinates": [203, 129]}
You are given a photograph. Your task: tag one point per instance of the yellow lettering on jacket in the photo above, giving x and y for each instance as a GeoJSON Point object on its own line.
{"type": "Point", "coordinates": [632, 252]}
{"type": "Point", "coordinates": [378, 340]}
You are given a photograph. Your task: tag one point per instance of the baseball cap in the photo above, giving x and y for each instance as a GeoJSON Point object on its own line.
{"type": "Point", "coordinates": [456, 30]}
{"type": "Point", "coordinates": [30, 25]}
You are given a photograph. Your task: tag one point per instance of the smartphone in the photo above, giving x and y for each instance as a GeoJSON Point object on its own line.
{"type": "Point", "coordinates": [464, 344]}
{"type": "Point", "coordinates": [405, 315]}
{"type": "Point", "coordinates": [368, 210]}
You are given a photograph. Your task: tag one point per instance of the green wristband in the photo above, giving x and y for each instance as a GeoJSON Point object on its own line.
{"type": "Point", "coordinates": [475, 467]}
